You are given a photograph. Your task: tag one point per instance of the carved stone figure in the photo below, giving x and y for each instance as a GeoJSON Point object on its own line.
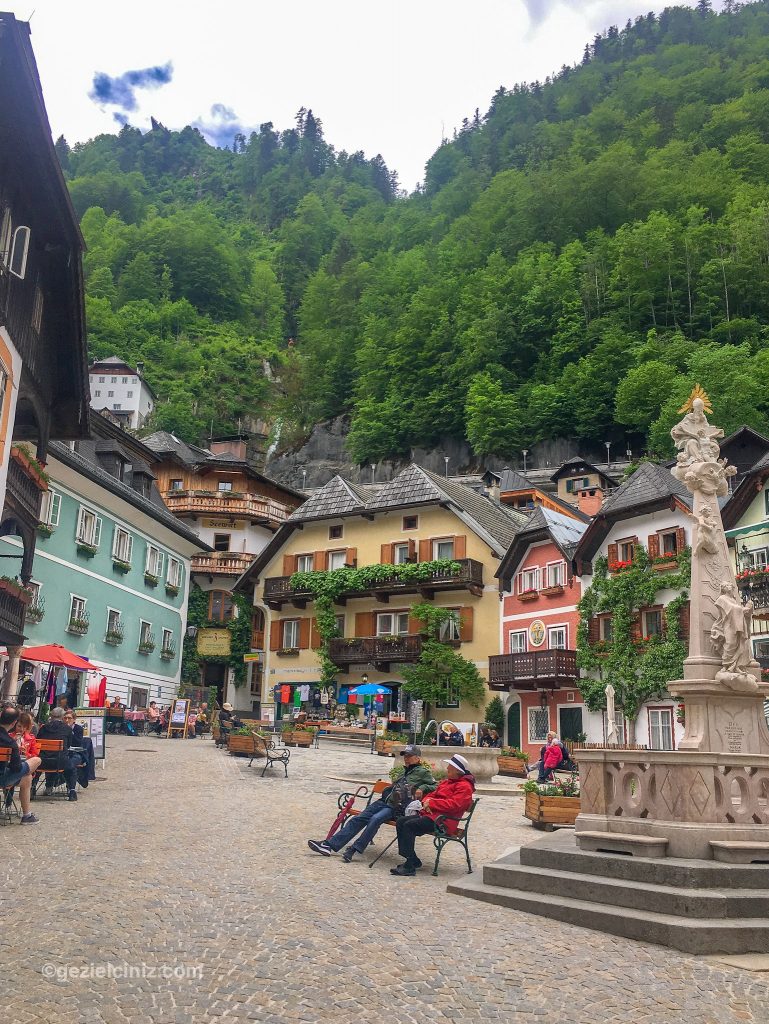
{"type": "Point", "coordinates": [705, 532]}
{"type": "Point", "coordinates": [611, 725]}
{"type": "Point", "coordinates": [731, 638]}
{"type": "Point", "coordinates": [695, 438]}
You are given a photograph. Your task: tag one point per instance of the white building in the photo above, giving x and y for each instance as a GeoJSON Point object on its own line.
{"type": "Point", "coordinates": [121, 391]}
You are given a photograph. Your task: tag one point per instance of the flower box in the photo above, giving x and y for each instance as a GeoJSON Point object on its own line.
{"type": "Point", "coordinates": [554, 591]}
{"type": "Point", "coordinates": [45, 530]}
{"type": "Point", "coordinates": [150, 579]}
{"type": "Point", "coordinates": [302, 738]}
{"type": "Point", "coordinates": [146, 648]}
{"type": "Point", "coordinates": [85, 549]}
{"type": "Point", "coordinates": [172, 590]}
{"type": "Point", "coordinates": [620, 566]}
{"type": "Point", "coordinates": [660, 565]}
{"type": "Point", "coordinates": [513, 766]}
{"type": "Point", "coordinates": [241, 746]}
{"type": "Point", "coordinates": [113, 637]}
{"type": "Point", "coordinates": [78, 626]}
{"type": "Point", "coordinates": [288, 652]}
{"type": "Point", "coordinates": [546, 811]}
{"type": "Point", "coordinates": [31, 466]}
{"type": "Point", "coordinates": [167, 653]}
{"type": "Point", "coordinates": [389, 748]}
{"type": "Point", "coordinates": [528, 595]}
{"type": "Point", "coordinates": [36, 611]}
{"type": "Point", "coordinates": [121, 566]}
{"type": "Point", "coordinates": [288, 738]}
{"type": "Point", "coordinates": [17, 590]}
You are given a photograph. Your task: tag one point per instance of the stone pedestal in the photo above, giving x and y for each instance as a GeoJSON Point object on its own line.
{"type": "Point", "coordinates": [734, 723]}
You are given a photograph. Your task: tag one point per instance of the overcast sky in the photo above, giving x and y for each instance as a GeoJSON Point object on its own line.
{"type": "Point", "coordinates": [385, 78]}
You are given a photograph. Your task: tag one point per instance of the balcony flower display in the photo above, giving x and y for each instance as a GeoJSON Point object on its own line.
{"type": "Point", "coordinates": [121, 565]}
{"type": "Point", "coordinates": [748, 576]}
{"type": "Point", "coordinates": [151, 579]}
{"type": "Point", "coordinates": [528, 595]}
{"type": "Point", "coordinates": [620, 566]}
{"type": "Point", "coordinates": [15, 589]}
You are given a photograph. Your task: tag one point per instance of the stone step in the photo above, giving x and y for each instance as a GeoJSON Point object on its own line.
{"type": "Point", "coordinates": [558, 851]}
{"type": "Point", "coordinates": [613, 842]}
{"type": "Point", "coordinates": [734, 852]}
{"type": "Point", "coordinates": [660, 899]}
{"type": "Point", "coordinates": [691, 935]}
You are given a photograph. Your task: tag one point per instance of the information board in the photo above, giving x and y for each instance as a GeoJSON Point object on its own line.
{"type": "Point", "coordinates": [93, 721]}
{"type": "Point", "coordinates": [180, 710]}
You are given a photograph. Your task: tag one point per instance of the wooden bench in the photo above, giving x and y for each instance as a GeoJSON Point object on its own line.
{"type": "Point", "coordinates": [441, 836]}
{"type": "Point", "coordinates": [267, 749]}
{"type": "Point", "coordinates": [7, 810]}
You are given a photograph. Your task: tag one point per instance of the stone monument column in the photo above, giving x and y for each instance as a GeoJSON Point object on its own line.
{"type": "Point", "coordinates": [11, 677]}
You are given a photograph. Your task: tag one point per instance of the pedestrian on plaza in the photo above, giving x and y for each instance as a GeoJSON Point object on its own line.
{"type": "Point", "coordinates": [20, 770]}
{"type": "Point", "coordinates": [452, 797]}
{"type": "Point", "coordinates": [415, 783]}
{"type": "Point", "coordinates": [57, 729]}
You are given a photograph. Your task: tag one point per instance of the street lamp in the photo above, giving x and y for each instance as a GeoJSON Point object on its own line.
{"type": "Point", "coordinates": [446, 462]}
{"type": "Point", "coordinates": [192, 632]}
{"type": "Point", "coordinates": [373, 474]}
{"type": "Point", "coordinates": [525, 453]}
{"type": "Point", "coordinates": [543, 698]}
{"type": "Point", "coordinates": [364, 678]}
{"type": "Point", "coordinates": [745, 557]}
{"type": "Point", "coordinates": [608, 454]}
{"type": "Point", "coordinates": [304, 479]}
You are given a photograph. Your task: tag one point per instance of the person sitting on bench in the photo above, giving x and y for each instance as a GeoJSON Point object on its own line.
{"type": "Point", "coordinates": [551, 755]}
{"type": "Point", "coordinates": [153, 718]}
{"type": "Point", "coordinates": [452, 798]}
{"type": "Point", "coordinates": [417, 781]}
{"type": "Point", "coordinates": [57, 729]}
{"type": "Point", "coordinates": [19, 771]}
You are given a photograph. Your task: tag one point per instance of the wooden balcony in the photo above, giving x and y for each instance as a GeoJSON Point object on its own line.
{"type": "Point", "coordinates": [24, 490]}
{"type": "Point", "coordinates": [533, 670]}
{"type": "Point", "coordinates": [378, 651]}
{"type": "Point", "coordinates": [252, 507]}
{"type": "Point", "coordinates": [222, 563]}
{"type": "Point", "coordinates": [12, 612]}
{"type": "Point", "coordinates": [278, 591]}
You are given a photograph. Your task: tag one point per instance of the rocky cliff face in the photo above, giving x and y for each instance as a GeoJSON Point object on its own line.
{"type": "Point", "coordinates": [324, 454]}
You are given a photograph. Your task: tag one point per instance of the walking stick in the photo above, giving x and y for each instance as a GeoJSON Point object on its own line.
{"type": "Point", "coordinates": [373, 862]}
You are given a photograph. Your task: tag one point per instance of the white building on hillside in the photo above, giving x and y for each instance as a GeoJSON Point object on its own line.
{"type": "Point", "coordinates": [121, 391]}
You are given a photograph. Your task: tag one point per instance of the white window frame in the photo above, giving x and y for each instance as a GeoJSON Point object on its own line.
{"type": "Point", "coordinates": [520, 635]}
{"type": "Point", "coordinates": [335, 556]}
{"type": "Point", "coordinates": [400, 553]}
{"type": "Point", "coordinates": [50, 510]}
{"type": "Point", "coordinates": [111, 612]}
{"type": "Point", "coordinates": [224, 486]}
{"type": "Point", "coordinates": [665, 722]}
{"type": "Point", "coordinates": [450, 629]}
{"type": "Point", "coordinates": [83, 601]}
{"type": "Point", "coordinates": [289, 634]}
{"type": "Point", "coordinates": [528, 579]}
{"type": "Point", "coordinates": [89, 525]}
{"type": "Point", "coordinates": [535, 711]}
{"type": "Point", "coordinates": [396, 619]}
{"type": "Point", "coordinates": [555, 574]}
{"type": "Point", "coordinates": [757, 652]}
{"type": "Point", "coordinates": [122, 544]}
{"type": "Point", "coordinates": [759, 557]}
{"type": "Point", "coordinates": [562, 628]}
{"type": "Point", "coordinates": [144, 632]}
{"type": "Point", "coordinates": [167, 634]}
{"type": "Point", "coordinates": [437, 556]}
{"type": "Point", "coordinates": [154, 562]}
{"type": "Point", "coordinates": [35, 587]}
{"type": "Point", "coordinates": [17, 261]}
{"type": "Point", "coordinates": [174, 572]}
{"type": "Point", "coordinates": [305, 563]}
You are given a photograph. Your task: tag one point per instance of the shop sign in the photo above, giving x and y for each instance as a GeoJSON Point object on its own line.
{"type": "Point", "coordinates": [214, 642]}
{"type": "Point", "coordinates": [537, 633]}
{"type": "Point", "coordinates": [225, 524]}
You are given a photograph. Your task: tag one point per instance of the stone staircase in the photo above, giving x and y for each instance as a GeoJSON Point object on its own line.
{"type": "Point", "coordinates": [692, 905]}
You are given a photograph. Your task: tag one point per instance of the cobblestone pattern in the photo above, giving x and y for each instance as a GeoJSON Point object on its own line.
{"type": "Point", "coordinates": [185, 857]}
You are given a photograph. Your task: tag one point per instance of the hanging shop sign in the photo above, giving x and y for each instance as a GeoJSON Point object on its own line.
{"type": "Point", "coordinates": [225, 524]}
{"type": "Point", "coordinates": [214, 642]}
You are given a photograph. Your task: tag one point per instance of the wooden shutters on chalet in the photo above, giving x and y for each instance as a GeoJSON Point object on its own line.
{"type": "Point", "coordinates": [466, 625]}
{"type": "Point", "coordinates": [276, 633]}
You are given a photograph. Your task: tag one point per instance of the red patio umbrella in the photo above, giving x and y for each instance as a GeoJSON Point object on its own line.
{"type": "Point", "coordinates": [56, 654]}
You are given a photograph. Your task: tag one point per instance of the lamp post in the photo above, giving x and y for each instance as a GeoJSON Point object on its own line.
{"type": "Point", "coordinates": [525, 453]}
{"type": "Point", "coordinates": [373, 473]}
{"type": "Point", "coordinates": [608, 454]}
{"type": "Point", "coordinates": [192, 632]}
{"type": "Point", "coordinates": [446, 464]}
{"type": "Point", "coordinates": [304, 479]}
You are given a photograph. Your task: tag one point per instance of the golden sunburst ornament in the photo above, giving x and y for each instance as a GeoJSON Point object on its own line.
{"type": "Point", "coordinates": [699, 392]}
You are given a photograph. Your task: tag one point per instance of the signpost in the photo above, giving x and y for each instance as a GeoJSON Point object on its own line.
{"type": "Point", "coordinates": [177, 720]}
{"type": "Point", "coordinates": [93, 721]}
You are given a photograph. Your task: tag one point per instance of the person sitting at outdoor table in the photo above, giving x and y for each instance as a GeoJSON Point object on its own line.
{"type": "Point", "coordinates": [153, 718]}
{"type": "Point", "coordinates": [25, 736]}
{"type": "Point", "coordinates": [201, 722]}
{"type": "Point", "coordinates": [550, 756]}
{"type": "Point", "coordinates": [227, 720]}
{"type": "Point", "coordinates": [116, 703]}
{"type": "Point", "coordinates": [417, 780]}
{"type": "Point", "coordinates": [87, 769]}
{"type": "Point", "coordinates": [452, 797]}
{"type": "Point", "coordinates": [57, 729]}
{"type": "Point", "coordinates": [20, 769]}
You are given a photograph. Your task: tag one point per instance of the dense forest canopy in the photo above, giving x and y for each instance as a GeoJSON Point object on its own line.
{"type": "Point", "coordinates": [577, 258]}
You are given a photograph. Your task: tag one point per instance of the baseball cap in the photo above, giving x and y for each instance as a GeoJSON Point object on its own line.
{"type": "Point", "coordinates": [410, 750]}
{"type": "Point", "coordinates": [459, 762]}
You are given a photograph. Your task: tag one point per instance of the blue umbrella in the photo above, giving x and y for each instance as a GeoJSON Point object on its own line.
{"type": "Point", "coordinates": [369, 689]}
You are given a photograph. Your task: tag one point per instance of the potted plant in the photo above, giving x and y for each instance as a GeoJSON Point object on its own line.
{"type": "Point", "coordinates": [36, 610]}
{"type": "Point", "coordinates": [146, 646]}
{"type": "Point", "coordinates": [549, 805]}
{"type": "Point", "coordinates": [114, 636]}
{"type": "Point", "coordinates": [44, 529]}
{"type": "Point", "coordinates": [78, 626]}
{"type": "Point", "coordinates": [304, 736]}
{"type": "Point", "coordinates": [151, 579]}
{"type": "Point", "coordinates": [85, 549]}
{"type": "Point", "coordinates": [241, 742]}
{"type": "Point", "coordinates": [172, 590]}
{"type": "Point", "coordinates": [288, 652]}
{"type": "Point", "coordinates": [121, 566]}
{"type": "Point", "coordinates": [512, 761]}
{"type": "Point", "coordinates": [389, 743]}
{"type": "Point", "coordinates": [168, 651]}
{"type": "Point", "coordinates": [287, 735]}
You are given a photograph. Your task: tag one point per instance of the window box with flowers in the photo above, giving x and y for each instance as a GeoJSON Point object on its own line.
{"type": "Point", "coordinates": [528, 595]}
{"type": "Point", "coordinates": [121, 566]}
{"type": "Point", "coordinates": [85, 549]}
{"type": "Point", "coordinates": [555, 591]}
{"type": "Point", "coordinates": [168, 651]}
{"type": "Point", "coordinates": [288, 652]}
{"type": "Point", "coordinates": [32, 468]}
{"type": "Point", "coordinates": [15, 589]}
{"type": "Point", "coordinates": [620, 566]}
{"type": "Point", "coordinates": [114, 636]}
{"type": "Point", "coordinates": [79, 626]}
{"type": "Point", "coordinates": [150, 579]}
{"type": "Point", "coordinates": [668, 561]}
{"type": "Point", "coordinates": [36, 610]}
{"type": "Point", "coordinates": [45, 530]}
{"type": "Point", "coordinates": [172, 590]}
{"type": "Point", "coordinates": [748, 577]}
{"type": "Point", "coordinates": [147, 646]}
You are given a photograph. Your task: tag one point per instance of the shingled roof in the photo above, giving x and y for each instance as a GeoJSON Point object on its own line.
{"type": "Point", "coordinates": [650, 483]}
{"type": "Point", "coordinates": [512, 480]}
{"type": "Point", "coordinates": [336, 498]}
{"type": "Point", "coordinates": [564, 531]}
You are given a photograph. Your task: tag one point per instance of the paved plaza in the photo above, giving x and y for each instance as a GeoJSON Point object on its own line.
{"type": "Point", "coordinates": [184, 861]}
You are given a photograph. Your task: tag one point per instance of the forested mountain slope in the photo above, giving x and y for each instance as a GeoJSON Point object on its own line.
{"type": "Point", "coordinates": [577, 259]}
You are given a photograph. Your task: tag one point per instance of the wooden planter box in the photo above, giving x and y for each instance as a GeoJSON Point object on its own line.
{"type": "Point", "coordinates": [386, 748]}
{"type": "Point", "coordinates": [554, 591]}
{"type": "Point", "coordinates": [546, 811]}
{"type": "Point", "coordinates": [288, 739]}
{"type": "Point", "coordinates": [512, 766]}
{"type": "Point", "coordinates": [529, 595]}
{"type": "Point", "coordinates": [303, 739]}
{"type": "Point", "coordinates": [241, 746]}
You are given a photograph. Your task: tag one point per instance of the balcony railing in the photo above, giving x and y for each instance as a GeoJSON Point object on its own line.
{"type": "Point", "coordinates": [12, 611]}
{"type": "Point", "coordinates": [24, 490]}
{"type": "Point", "coordinates": [218, 503]}
{"type": "Point", "coordinates": [278, 590]}
{"type": "Point", "coordinates": [374, 650]}
{"type": "Point", "coordinates": [532, 670]}
{"type": "Point", "coordinates": [225, 563]}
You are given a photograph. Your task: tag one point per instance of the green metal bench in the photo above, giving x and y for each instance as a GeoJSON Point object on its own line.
{"type": "Point", "coordinates": [442, 837]}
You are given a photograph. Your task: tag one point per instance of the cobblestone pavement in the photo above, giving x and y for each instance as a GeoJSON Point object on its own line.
{"type": "Point", "coordinates": [183, 858]}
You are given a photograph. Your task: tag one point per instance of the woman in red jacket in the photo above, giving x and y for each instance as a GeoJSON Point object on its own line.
{"type": "Point", "coordinates": [452, 797]}
{"type": "Point", "coordinates": [551, 758]}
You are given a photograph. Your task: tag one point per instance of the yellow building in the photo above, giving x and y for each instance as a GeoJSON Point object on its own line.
{"type": "Point", "coordinates": [417, 517]}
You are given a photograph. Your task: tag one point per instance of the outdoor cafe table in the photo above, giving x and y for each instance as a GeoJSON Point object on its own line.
{"type": "Point", "coordinates": [136, 717]}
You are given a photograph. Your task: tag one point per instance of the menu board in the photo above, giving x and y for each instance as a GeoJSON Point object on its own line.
{"type": "Point", "coordinates": [93, 721]}
{"type": "Point", "coordinates": [180, 710]}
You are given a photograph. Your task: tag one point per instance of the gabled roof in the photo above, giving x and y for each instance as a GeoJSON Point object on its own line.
{"type": "Point", "coordinates": [737, 504]}
{"type": "Point", "coordinates": [336, 498]}
{"type": "Point", "coordinates": [512, 480]}
{"type": "Point", "coordinates": [563, 470]}
{"type": "Point", "coordinates": [543, 524]}
{"type": "Point", "coordinates": [649, 489]}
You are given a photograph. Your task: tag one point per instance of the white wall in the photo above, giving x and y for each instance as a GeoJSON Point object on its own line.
{"type": "Point", "coordinates": [129, 393]}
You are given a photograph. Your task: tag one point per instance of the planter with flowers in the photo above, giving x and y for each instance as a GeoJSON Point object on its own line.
{"type": "Point", "coordinates": [121, 566]}
{"type": "Point", "coordinates": [32, 468]}
{"type": "Point", "coordinates": [620, 566]}
{"type": "Point", "coordinates": [528, 595]}
{"type": "Point", "coordinates": [551, 806]}
{"type": "Point", "coordinates": [15, 589]}
{"type": "Point", "coordinates": [45, 530]}
{"type": "Point", "coordinates": [555, 591]}
{"type": "Point", "coordinates": [512, 761]}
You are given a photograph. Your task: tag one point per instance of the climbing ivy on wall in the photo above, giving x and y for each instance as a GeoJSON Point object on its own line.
{"type": "Point", "coordinates": [639, 668]}
{"type": "Point", "coordinates": [439, 666]}
{"type": "Point", "coordinates": [240, 637]}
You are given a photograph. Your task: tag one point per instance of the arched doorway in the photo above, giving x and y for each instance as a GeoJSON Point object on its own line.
{"type": "Point", "coordinates": [514, 724]}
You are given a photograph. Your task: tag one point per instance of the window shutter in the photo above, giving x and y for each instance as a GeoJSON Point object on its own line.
{"type": "Point", "coordinates": [147, 558]}
{"type": "Point", "coordinates": [97, 531]}
{"type": "Point", "coordinates": [319, 561]}
{"type": "Point", "coordinates": [594, 630]}
{"type": "Point", "coordinates": [413, 548]}
{"type": "Point", "coordinates": [289, 565]}
{"type": "Point", "coordinates": [159, 567]}
{"type": "Point", "coordinates": [425, 551]}
{"type": "Point", "coordinates": [351, 556]}
{"type": "Point", "coordinates": [680, 538]}
{"type": "Point", "coordinates": [466, 625]}
{"type": "Point", "coordinates": [115, 538]}
{"type": "Point", "coordinates": [654, 545]}
{"type": "Point", "coordinates": [304, 634]}
{"type": "Point", "coordinates": [460, 546]}
{"type": "Point", "coordinates": [275, 639]}
{"type": "Point", "coordinates": [364, 624]}
{"type": "Point", "coordinates": [613, 553]}
{"type": "Point", "coordinates": [55, 508]}
{"type": "Point", "coordinates": [130, 547]}
{"type": "Point", "coordinates": [684, 622]}
{"type": "Point", "coordinates": [386, 556]}
{"type": "Point", "coordinates": [80, 524]}
{"type": "Point", "coordinates": [415, 626]}
{"type": "Point", "coordinates": [315, 640]}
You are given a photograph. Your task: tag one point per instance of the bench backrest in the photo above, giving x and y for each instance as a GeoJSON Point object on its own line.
{"type": "Point", "coordinates": [5, 755]}
{"type": "Point", "coordinates": [379, 787]}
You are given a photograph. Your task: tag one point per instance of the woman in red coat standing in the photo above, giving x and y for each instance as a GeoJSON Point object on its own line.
{"type": "Point", "coordinates": [452, 797]}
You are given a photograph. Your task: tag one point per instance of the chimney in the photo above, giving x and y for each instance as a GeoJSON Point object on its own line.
{"type": "Point", "coordinates": [590, 501]}
{"type": "Point", "coordinates": [493, 490]}
{"type": "Point", "coordinates": [256, 452]}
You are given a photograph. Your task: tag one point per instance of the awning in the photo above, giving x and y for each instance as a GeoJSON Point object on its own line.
{"type": "Point", "coordinates": [739, 531]}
